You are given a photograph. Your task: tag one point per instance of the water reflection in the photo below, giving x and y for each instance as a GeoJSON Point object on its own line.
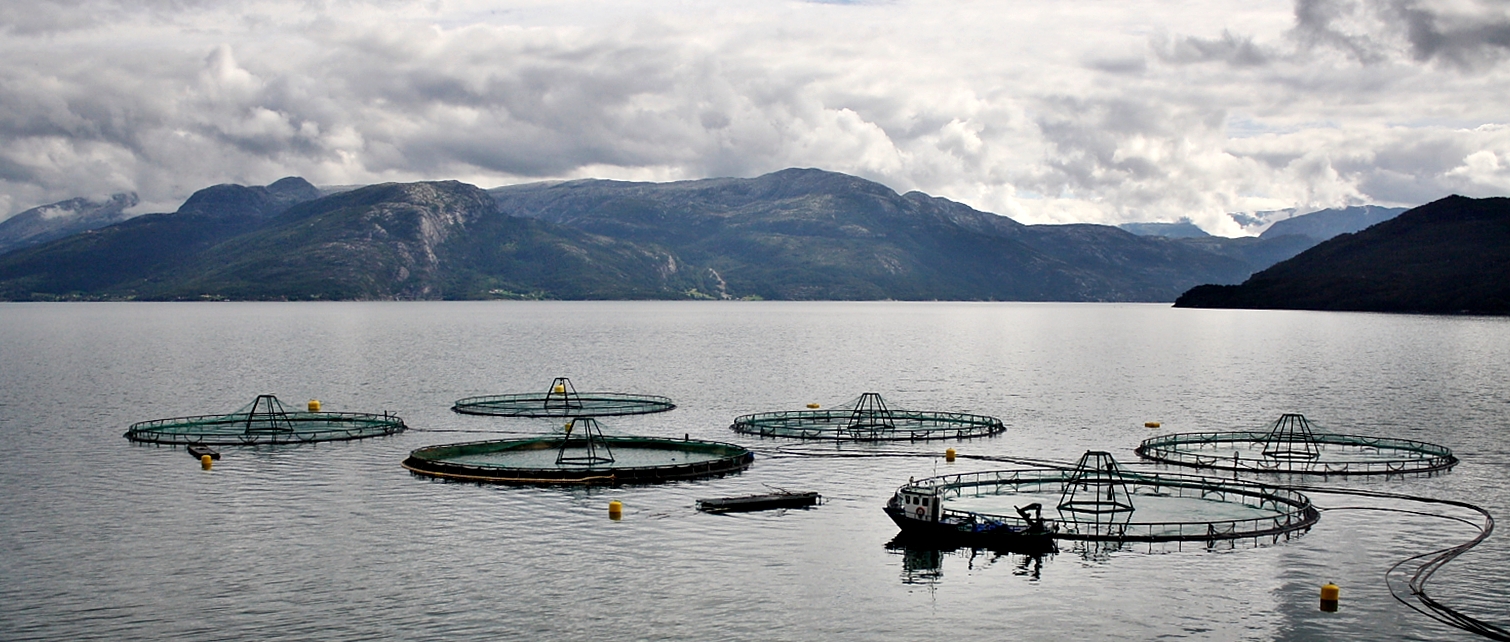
{"type": "Point", "coordinates": [1097, 550]}
{"type": "Point", "coordinates": [923, 563]}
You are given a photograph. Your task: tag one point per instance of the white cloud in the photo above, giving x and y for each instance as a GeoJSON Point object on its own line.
{"type": "Point", "coordinates": [1053, 112]}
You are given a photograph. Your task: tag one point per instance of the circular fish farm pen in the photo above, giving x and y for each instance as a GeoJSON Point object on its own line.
{"type": "Point", "coordinates": [1099, 502]}
{"type": "Point", "coordinates": [264, 421]}
{"type": "Point", "coordinates": [1292, 447]}
{"type": "Point", "coordinates": [586, 458]}
{"type": "Point", "coordinates": [867, 419]}
{"type": "Point", "coordinates": [561, 399]}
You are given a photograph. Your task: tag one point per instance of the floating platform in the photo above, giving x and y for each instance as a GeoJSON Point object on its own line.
{"type": "Point", "coordinates": [198, 450]}
{"type": "Point", "coordinates": [1098, 501]}
{"type": "Point", "coordinates": [767, 501]}
{"type": "Point", "coordinates": [265, 421]}
{"type": "Point", "coordinates": [867, 419]}
{"type": "Point", "coordinates": [562, 400]}
{"type": "Point", "coordinates": [584, 459]}
{"type": "Point", "coordinates": [1292, 447]}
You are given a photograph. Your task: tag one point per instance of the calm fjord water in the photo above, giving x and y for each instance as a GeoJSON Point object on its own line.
{"type": "Point", "coordinates": [103, 539]}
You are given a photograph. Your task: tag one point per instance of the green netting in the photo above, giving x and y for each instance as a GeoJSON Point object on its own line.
{"type": "Point", "coordinates": [264, 421]}
{"type": "Point", "coordinates": [867, 419]}
{"type": "Point", "coordinates": [561, 399]}
{"type": "Point", "coordinates": [1133, 506]}
{"type": "Point", "coordinates": [585, 458]}
{"type": "Point", "coordinates": [1292, 447]}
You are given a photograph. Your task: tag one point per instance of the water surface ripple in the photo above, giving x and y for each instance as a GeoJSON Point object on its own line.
{"type": "Point", "coordinates": [108, 540]}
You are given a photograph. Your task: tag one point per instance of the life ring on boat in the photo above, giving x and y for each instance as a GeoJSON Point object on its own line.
{"type": "Point", "coordinates": [920, 512]}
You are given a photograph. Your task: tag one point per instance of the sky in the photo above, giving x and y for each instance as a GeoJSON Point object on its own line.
{"type": "Point", "coordinates": [1050, 111]}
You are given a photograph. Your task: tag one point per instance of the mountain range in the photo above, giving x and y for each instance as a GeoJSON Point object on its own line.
{"type": "Point", "coordinates": [65, 218]}
{"type": "Point", "coordinates": [1319, 225]}
{"type": "Point", "coordinates": [1448, 256]}
{"type": "Point", "coordinates": [793, 234]}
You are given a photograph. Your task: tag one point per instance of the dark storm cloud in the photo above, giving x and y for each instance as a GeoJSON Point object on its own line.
{"type": "Point", "coordinates": [1463, 41]}
{"type": "Point", "coordinates": [1327, 22]}
{"type": "Point", "coordinates": [1468, 37]}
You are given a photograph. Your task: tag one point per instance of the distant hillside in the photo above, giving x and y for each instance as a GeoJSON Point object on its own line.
{"type": "Point", "coordinates": [1449, 256]}
{"type": "Point", "coordinates": [811, 234]}
{"type": "Point", "coordinates": [1256, 222]}
{"type": "Point", "coordinates": [793, 234]}
{"type": "Point", "coordinates": [1320, 224]}
{"type": "Point", "coordinates": [392, 241]}
{"type": "Point", "coordinates": [1324, 224]}
{"type": "Point", "coordinates": [1181, 230]}
{"type": "Point", "coordinates": [42, 224]}
{"type": "Point", "coordinates": [1280, 239]}
{"type": "Point", "coordinates": [1259, 253]}
{"type": "Point", "coordinates": [240, 201]}
{"type": "Point", "coordinates": [131, 258]}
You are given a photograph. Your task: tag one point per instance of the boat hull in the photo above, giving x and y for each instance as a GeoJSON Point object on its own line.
{"type": "Point", "coordinates": [998, 536]}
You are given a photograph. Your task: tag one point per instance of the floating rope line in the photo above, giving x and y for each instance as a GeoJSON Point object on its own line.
{"type": "Point", "coordinates": [1435, 560]}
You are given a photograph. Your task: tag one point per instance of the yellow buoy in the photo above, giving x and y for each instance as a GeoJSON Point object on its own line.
{"type": "Point", "coordinates": [615, 510]}
{"type": "Point", "coordinates": [314, 405]}
{"type": "Point", "coordinates": [1150, 424]}
{"type": "Point", "coordinates": [1329, 595]}
{"type": "Point", "coordinates": [559, 389]}
{"type": "Point", "coordinates": [812, 405]}
{"type": "Point", "coordinates": [949, 454]}
{"type": "Point", "coordinates": [206, 462]}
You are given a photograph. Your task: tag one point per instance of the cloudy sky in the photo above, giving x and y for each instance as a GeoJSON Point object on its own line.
{"type": "Point", "coordinates": [1046, 111]}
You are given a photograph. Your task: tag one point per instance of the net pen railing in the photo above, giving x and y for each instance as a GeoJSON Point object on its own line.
{"type": "Point", "coordinates": [292, 427]}
{"type": "Point", "coordinates": [582, 404]}
{"type": "Point", "coordinates": [1292, 511]}
{"type": "Point", "coordinates": [908, 425]}
{"type": "Point", "coordinates": [1188, 449]}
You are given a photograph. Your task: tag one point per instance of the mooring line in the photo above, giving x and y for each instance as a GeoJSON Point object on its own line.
{"type": "Point", "coordinates": [1437, 559]}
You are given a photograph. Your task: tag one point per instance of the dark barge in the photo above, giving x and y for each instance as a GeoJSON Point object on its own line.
{"type": "Point", "coordinates": [766, 501]}
{"type": "Point", "coordinates": [200, 450]}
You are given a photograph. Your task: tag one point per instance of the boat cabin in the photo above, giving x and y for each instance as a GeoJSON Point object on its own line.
{"type": "Point", "coordinates": [920, 503]}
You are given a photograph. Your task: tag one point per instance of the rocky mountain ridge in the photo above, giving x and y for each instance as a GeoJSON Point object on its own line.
{"type": "Point", "coordinates": [64, 218]}
{"type": "Point", "coordinates": [793, 234]}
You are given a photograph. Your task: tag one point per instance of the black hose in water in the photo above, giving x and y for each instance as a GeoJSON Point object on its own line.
{"type": "Point", "coordinates": [1434, 561]}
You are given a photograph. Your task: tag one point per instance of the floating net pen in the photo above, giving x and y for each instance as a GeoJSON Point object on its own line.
{"type": "Point", "coordinates": [265, 421]}
{"type": "Point", "coordinates": [581, 454]}
{"type": "Point", "coordinates": [562, 400]}
{"type": "Point", "coordinates": [1292, 446]}
{"type": "Point", "coordinates": [1098, 501]}
{"type": "Point", "coordinates": [867, 419]}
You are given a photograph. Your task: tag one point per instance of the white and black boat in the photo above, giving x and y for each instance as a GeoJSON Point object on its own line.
{"type": "Point", "coordinates": [920, 513]}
